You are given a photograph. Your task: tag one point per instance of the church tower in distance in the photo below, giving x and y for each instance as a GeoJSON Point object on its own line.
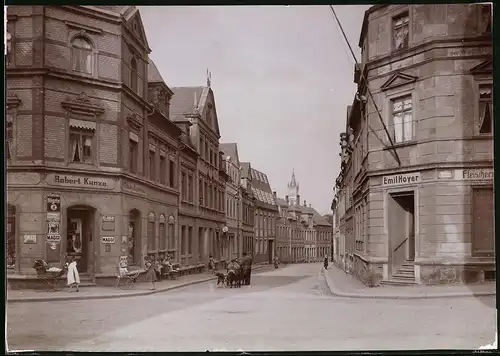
{"type": "Point", "coordinates": [293, 191]}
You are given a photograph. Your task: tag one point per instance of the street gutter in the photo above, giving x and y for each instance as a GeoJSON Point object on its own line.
{"type": "Point", "coordinates": [338, 293]}
{"type": "Point", "coordinates": [116, 295]}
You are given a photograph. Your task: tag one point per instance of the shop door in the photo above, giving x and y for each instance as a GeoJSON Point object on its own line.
{"type": "Point", "coordinates": [79, 238]}
{"type": "Point", "coordinates": [483, 235]}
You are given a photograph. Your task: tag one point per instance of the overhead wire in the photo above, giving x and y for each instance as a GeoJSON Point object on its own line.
{"type": "Point", "coordinates": [367, 88]}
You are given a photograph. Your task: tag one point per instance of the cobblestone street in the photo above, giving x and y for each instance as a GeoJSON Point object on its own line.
{"type": "Point", "coordinates": [286, 309]}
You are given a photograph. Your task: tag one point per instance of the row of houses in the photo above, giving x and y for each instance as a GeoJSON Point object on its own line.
{"type": "Point", "coordinates": [106, 161]}
{"type": "Point", "coordinates": [414, 198]}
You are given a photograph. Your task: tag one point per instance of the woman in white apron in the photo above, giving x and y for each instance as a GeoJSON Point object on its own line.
{"type": "Point", "coordinates": [72, 276]}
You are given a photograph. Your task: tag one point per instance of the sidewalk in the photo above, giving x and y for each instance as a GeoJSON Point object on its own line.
{"type": "Point", "coordinates": [344, 285]}
{"type": "Point", "coordinates": [103, 292]}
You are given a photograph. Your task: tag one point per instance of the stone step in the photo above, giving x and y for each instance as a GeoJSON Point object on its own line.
{"type": "Point", "coordinates": [403, 276]}
{"type": "Point", "coordinates": [405, 273]}
{"type": "Point", "coordinates": [404, 268]}
{"type": "Point", "coordinates": [396, 282]}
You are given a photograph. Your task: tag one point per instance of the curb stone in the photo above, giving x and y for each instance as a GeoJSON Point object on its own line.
{"type": "Point", "coordinates": [335, 291]}
{"type": "Point", "coordinates": [116, 296]}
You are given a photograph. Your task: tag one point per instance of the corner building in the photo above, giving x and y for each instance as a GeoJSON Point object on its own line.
{"type": "Point", "coordinates": [429, 219]}
{"type": "Point", "coordinates": [92, 156]}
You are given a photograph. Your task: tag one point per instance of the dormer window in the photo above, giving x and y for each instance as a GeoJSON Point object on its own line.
{"type": "Point", "coordinates": [133, 74]}
{"type": "Point", "coordinates": [81, 55]}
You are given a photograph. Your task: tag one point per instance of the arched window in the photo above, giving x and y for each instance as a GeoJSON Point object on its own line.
{"type": "Point", "coordinates": [81, 55]}
{"type": "Point", "coordinates": [151, 232]}
{"type": "Point", "coordinates": [163, 233]}
{"type": "Point", "coordinates": [133, 74]}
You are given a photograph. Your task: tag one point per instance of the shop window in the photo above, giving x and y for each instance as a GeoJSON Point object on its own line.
{"type": "Point", "coordinates": [483, 234]}
{"type": "Point", "coordinates": [9, 136]}
{"type": "Point", "coordinates": [171, 174]}
{"type": "Point", "coordinates": [134, 237]}
{"type": "Point", "coordinates": [152, 171]}
{"type": "Point", "coordinates": [81, 145]}
{"type": "Point", "coordinates": [133, 154]}
{"type": "Point", "coordinates": [402, 119]}
{"type": "Point", "coordinates": [11, 237]}
{"type": "Point", "coordinates": [151, 232]}
{"type": "Point", "coordinates": [163, 233]}
{"type": "Point", "coordinates": [200, 242]}
{"type": "Point", "coordinates": [485, 109]}
{"type": "Point", "coordinates": [190, 240]}
{"type": "Point", "coordinates": [400, 31]}
{"type": "Point", "coordinates": [171, 233]}
{"type": "Point", "coordinates": [133, 74]}
{"type": "Point", "coordinates": [81, 55]}
{"type": "Point", "coordinates": [163, 170]}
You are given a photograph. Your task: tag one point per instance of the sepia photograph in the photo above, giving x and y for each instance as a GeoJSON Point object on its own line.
{"type": "Point", "coordinates": [249, 178]}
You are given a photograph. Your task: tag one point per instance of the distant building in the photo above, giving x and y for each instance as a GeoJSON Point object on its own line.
{"type": "Point", "coordinates": [303, 235]}
{"type": "Point", "coordinates": [233, 198]}
{"type": "Point", "coordinates": [266, 213]}
{"type": "Point", "coordinates": [248, 214]}
{"type": "Point", "coordinates": [428, 218]}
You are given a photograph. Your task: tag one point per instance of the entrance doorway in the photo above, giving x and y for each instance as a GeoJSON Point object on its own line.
{"type": "Point", "coordinates": [79, 237]}
{"type": "Point", "coordinates": [270, 250]}
{"type": "Point", "coordinates": [11, 237]}
{"type": "Point", "coordinates": [401, 229]}
{"type": "Point", "coordinates": [134, 237]}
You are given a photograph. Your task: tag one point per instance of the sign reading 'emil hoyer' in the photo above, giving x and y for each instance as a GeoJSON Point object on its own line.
{"type": "Point", "coordinates": [80, 181]}
{"type": "Point", "coordinates": [401, 179]}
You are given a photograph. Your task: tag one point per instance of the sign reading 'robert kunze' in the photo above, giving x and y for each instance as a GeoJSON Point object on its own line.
{"type": "Point", "coordinates": [80, 181]}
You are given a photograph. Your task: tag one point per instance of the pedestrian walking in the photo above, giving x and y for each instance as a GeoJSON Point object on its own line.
{"type": "Point", "coordinates": [325, 262]}
{"type": "Point", "coordinates": [72, 276]}
{"type": "Point", "coordinates": [150, 272]}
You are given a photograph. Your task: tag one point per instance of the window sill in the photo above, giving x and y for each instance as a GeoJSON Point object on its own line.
{"type": "Point", "coordinates": [402, 144]}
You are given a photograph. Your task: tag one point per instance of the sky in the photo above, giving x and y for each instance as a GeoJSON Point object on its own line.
{"type": "Point", "coordinates": [282, 77]}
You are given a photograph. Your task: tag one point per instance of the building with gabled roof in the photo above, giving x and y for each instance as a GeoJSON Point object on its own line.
{"type": "Point", "coordinates": [266, 213]}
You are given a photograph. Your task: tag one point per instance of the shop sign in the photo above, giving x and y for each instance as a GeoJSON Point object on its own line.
{"type": "Point", "coordinates": [66, 180]}
{"type": "Point", "coordinates": [130, 186]}
{"type": "Point", "coordinates": [108, 239]}
{"type": "Point", "coordinates": [401, 179]}
{"type": "Point", "coordinates": [474, 174]}
{"type": "Point", "coordinates": [53, 228]}
{"type": "Point", "coordinates": [53, 207]}
{"type": "Point", "coordinates": [29, 239]}
{"type": "Point", "coordinates": [53, 239]}
{"type": "Point", "coordinates": [108, 223]}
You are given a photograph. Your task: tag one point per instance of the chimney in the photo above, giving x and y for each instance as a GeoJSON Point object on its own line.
{"type": "Point", "coordinates": [298, 200]}
{"type": "Point", "coordinates": [286, 199]}
{"type": "Point", "coordinates": [274, 195]}
{"type": "Point", "coordinates": [305, 203]}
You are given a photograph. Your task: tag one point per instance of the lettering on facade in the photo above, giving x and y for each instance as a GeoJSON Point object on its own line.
{"type": "Point", "coordinates": [108, 223]}
{"type": "Point", "coordinates": [108, 239]}
{"type": "Point", "coordinates": [53, 207]}
{"type": "Point", "coordinates": [458, 52]}
{"type": "Point", "coordinates": [401, 179]}
{"type": "Point", "coordinates": [77, 181]}
{"type": "Point", "coordinates": [29, 239]}
{"type": "Point", "coordinates": [53, 239]}
{"type": "Point", "coordinates": [133, 187]}
{"type": "Point", "coordinates": [474, 174]}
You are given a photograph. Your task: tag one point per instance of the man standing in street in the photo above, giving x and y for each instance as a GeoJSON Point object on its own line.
{"type": "Point", "coordinates": [246, 264]}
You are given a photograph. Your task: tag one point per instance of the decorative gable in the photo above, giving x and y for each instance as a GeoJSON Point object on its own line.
{"type": "Point", "coordinates": [397, 80]}
{"type": "Point", "coordinates": [485, 67]}
{"type": "Point", "coordinates": [134, 22]}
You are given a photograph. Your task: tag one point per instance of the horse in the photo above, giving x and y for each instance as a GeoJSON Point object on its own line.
{"type": "Point", "coordinates": [234, 278]}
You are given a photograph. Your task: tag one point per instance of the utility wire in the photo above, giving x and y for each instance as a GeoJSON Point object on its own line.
{"type": "Point", "coordinates": [367, 87]}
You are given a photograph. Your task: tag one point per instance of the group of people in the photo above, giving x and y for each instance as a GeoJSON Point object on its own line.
{"type": "Point", "coordinates": [245, 265]}
{"type": "Point", "coordinates": [155, 267]}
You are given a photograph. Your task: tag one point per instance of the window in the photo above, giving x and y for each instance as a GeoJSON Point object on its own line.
{"type": "Point", "coordinates": [485, 19]}
{"type": "Point", "coordinates": [163, 169]}
{"type": "Point", "coordinates": [151, 232]}
{"type": "Point", "coordinates": [171, 234]}
{"type": "Point", "coordinates": [171, 174]}
{"type": "Point", "coordinates": [485, 109]}
{"type": "Point", "coordinates": [133, 154]}
{"type": "Point", "coordinates": [133, 74]}
{"type": "Point", "coordinates": [81, 55]}
{"type": "Point", "coordinates": [400, 31]}
{"type": "Point", "coordinates": [190, 188]}
{"type": "Point", "coordinates": [183, 240]}
{"type": "Point", "coordinates": [202, 147]}
{"type": "Point", "coordinates": [483, 234]}
{"type": "Point", "coordinates": [200, 191]}
{"type": "Point", "coordinates": [8, 137]}
{"type": "Point", "coordinates": [183, 186]}
{"type": "Point", "coordinates": [152, 173]}
{"type": "Point", "coordinates": [163, 233]}
{"type": "Point", "coordinates": [81, 145]}
{"type": "Point", "coordinates": [402, 119]}
{"type": "Point", "coordinates": [206, 195]}
{"type": "Point", "coordinates": [205, 155]}
{"type": "Point", "coordinates": [8, 37]}
{"type": "Point", "coordinates": [190, 240]}
{"type": "Point", "coordinates": [211, 156]}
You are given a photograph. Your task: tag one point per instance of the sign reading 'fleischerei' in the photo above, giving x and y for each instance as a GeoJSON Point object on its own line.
{"type": "Point", "coordinates": [401, 179]}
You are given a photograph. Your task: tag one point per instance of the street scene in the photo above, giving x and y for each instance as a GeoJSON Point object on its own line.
{"type": "Point", "coordinates": [253, 178]}
{"type": "Point", "coordinates": [290, 308]}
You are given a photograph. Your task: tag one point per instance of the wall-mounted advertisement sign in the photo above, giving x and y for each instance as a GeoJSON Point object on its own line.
{"type": "Point", "coordinates": [53, 207]}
